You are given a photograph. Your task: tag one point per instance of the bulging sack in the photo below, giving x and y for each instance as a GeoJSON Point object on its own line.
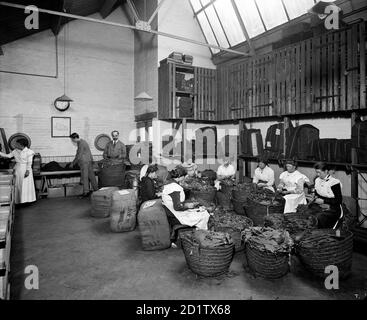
{"type": "Point", "coordinates": [153, 226]}
{"type": "Point", "coordinates": [101, 201]}
{"type": "Point", "coordinates": [123, 213]}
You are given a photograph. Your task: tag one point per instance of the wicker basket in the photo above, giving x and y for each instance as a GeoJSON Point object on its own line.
{"type": "Point", "coordinates": [236, 235]}
{"type": "Point", "coordinates": [257, 211]}
{"type": "Point", "coordinates": [317, 250]}
{"type": "Point", "coordinates": [266, 264]}
{"type": "Point", "coordinates": [292, 226]}
{"type": "Point", "coordinates": [207, 262]}
{"type": "Point", "coordinates": [240, 195]}
{"type": "Point", "coordinates": [289, 222]}
{"type": "Point", "coordinates": [238, 206]}
{"type": "Point", "coordinates": [224, 200]}
{"type": "Point", "coordinates": [203, 197]}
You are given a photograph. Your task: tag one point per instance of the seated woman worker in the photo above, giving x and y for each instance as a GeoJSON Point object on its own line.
{"type": "Point", "coordinates": [147, 184]}
{"type": "Point", "coordinates": [328, 195]}
{"type": "Point", "coordinates": [173, 198]}
{"type": "Point", "coordinates": [292, 187]}
{"type": "Point", "coordinates": [264, 175]}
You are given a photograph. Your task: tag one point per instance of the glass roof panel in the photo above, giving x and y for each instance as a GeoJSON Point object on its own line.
{"type": "Point", "coordinates": [298, 8]}
{"type": "Point", "coordinates": [215, 23]}
{"type": "Point", "coordinates": [208, 33]}
{"type": "Point", "coordinates": [250, 17]}
{"type": "Point", "coordinates": [229, 21]}
{"type": "Point", "coordinates": [272, 12]}
{"type": "Point", "coordinates": [196, 5]}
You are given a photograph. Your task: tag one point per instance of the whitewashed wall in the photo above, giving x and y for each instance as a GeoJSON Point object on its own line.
{"type": "Point", "coordinates": [100, 73]}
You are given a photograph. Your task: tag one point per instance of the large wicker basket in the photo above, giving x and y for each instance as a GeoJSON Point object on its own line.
{"type": "Point", "coordinates": [257, 211]}
{"type": "Point", "coordinates": [319, 249]}
{"type": "Point", "coordinates": [240, 195]}
{"type": "Point", "coordinates": [238, 206]}
{"type": "Point", "coordinates": [207, 262]}
{"type": "Point", "coordinates": [294, 223]}
{"type": "Point", "coordinates": [203, 197]}
{"type": "Point", "coordinates": [266, 264]}
{"type": "Point", "coordinates": [236, 235]}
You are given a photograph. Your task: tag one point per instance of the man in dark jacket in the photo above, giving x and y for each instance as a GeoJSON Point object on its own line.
{"type": "Point", "coordinates": [85, 161]}
{"type": "Point", "coordinates": [115, 149]}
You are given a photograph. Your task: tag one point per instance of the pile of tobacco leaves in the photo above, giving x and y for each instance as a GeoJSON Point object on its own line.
{"type": "Point", "coordinates": [265, 197]}
{"type": "Point", "coordinates": [268, 239]}
{"type": "Point", "coordinates": [198, 184]}
{"type": "Point", "coordinates": [230, 220]}
{"type": "Point", "coordinates": [291, 222]}
{"type": "Point", "coordinates": [208, 239]}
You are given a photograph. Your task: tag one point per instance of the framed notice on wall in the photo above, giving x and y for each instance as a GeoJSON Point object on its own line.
{"type": "Point", "coordinates": [60, 127]}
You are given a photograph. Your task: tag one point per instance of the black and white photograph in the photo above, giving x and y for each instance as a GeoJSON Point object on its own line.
{"type": "Point", "coordinates": [189, 156]}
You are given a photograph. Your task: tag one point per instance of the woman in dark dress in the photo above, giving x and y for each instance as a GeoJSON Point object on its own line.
{"type": "Point", "coordinates": [328, 196]}
{"type": "Point", "coordinates": [148, 185]}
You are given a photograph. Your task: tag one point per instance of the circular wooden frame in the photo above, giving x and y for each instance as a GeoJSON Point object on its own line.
{"type": "Point", "coordinates": [98, 141]}
{"type": "Point", "coordinates": [15, 137]}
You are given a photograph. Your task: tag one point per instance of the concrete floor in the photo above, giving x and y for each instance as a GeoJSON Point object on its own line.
{"type": "Point", "coordinates": [79, 258]}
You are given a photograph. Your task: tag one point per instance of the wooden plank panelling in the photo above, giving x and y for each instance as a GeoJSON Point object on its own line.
{"type": "Point", "coordinates": [343, 61]}
{"type": "Point", "coordinates": [323, 74]}
{"type": "Point", "coordinates": [362, 65]}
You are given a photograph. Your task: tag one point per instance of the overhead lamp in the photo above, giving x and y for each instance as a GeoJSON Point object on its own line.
{"type": "Point", "coordinates": [143, 96]}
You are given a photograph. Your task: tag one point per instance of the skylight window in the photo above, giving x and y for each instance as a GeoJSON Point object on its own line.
{"type": "Point", "coordinates": [223, 21]}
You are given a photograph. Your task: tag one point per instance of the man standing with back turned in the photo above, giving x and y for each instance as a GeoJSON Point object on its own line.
{"type": "Point", "coordinates": [85, 161]}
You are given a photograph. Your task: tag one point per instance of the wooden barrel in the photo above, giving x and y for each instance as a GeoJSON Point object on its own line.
{"type": "Point", "coordinates": [112, 176]}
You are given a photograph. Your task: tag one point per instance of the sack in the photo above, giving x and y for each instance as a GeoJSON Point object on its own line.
{"type": "Point", "coordinates": [359, 141]}
{"type": "Point", "coordinates": [323, 150]}
{"type": "Point", "coordinates": [300, 140]}
{"type": "Point", "coordinates": [251, 142]}
{"type": "Point", "coordinates": [274, 141]}
{"type": "Point", "coordinates": [52, 166]}
{"type": "Point", "coordinates": [153, 226]}
{"type": "Point", "coordinates": [123, 213]}
{"type": "Point", "coordinates": [101, 201]}
{"type": "Point", "coordinates": [343, 150]}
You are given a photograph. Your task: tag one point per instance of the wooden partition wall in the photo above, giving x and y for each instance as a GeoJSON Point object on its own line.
{"type": "Point", "coordinates": [322, 74]}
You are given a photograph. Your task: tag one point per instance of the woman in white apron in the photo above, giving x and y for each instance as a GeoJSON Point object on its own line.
{"type": "Point", "coordinates": [225, 171]}
{"type": "Point", "coordinates": [264, 176]}
{"type": "Point", "coordinates": [292, 187]}
{"type": "Point", "coordinates": [24, 183]}
{"type": "Point", "coordinates": [328, 196]}
{"type": "Point", "coordinates": [173, 197]}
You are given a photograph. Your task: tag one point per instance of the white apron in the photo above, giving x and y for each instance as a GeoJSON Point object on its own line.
{"type": "Point", "coordinates": [191, 217]}
{"type": "Point", "coordinates": [24, 187]}
{"type": "Point", "coordinates": [290, 181]}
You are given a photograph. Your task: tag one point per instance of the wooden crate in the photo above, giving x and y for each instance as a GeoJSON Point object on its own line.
{"type": "Point", "coordinates": [6, 194]}
{"type": "Point", "coordinates": [6, 179]}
